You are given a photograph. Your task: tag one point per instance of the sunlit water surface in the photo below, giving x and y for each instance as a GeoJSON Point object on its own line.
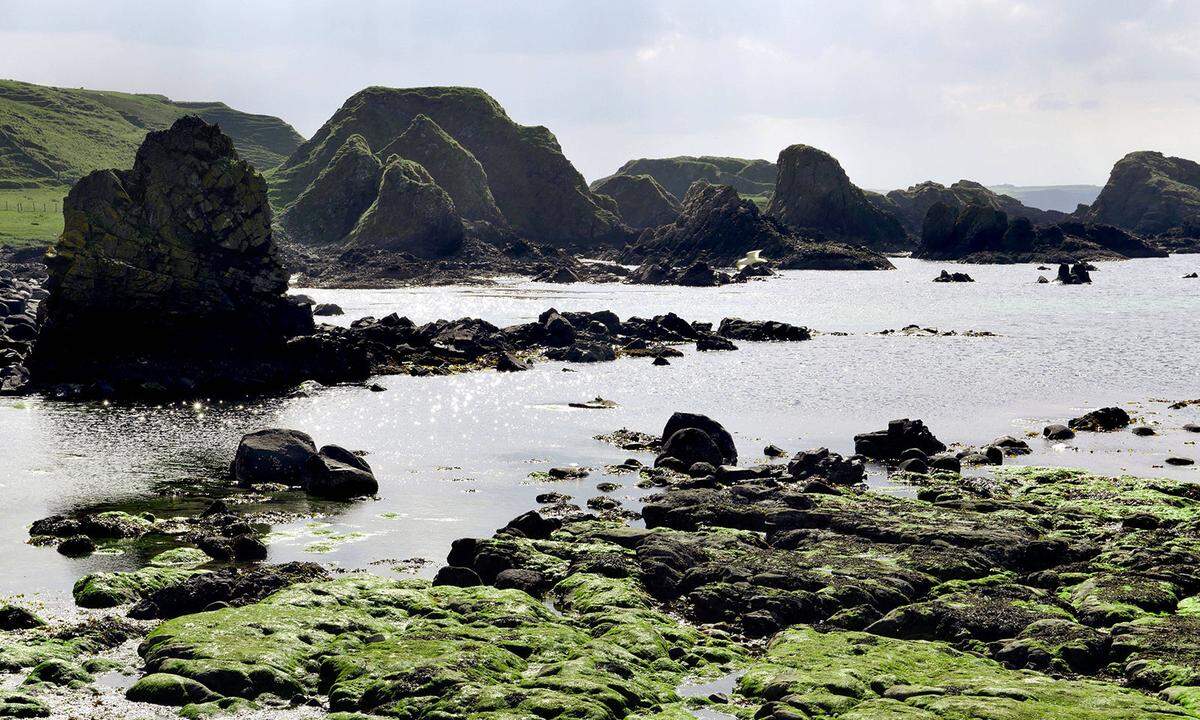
{"type": "Point", "coordinates": [454, 454]}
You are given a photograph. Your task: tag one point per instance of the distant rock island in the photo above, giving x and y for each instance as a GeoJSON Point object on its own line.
{"type": "Point", "coordinates": [1151, 194]}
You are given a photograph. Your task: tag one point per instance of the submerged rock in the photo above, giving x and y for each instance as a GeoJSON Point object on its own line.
{"type": "Point", "coordinates": [168, 275]}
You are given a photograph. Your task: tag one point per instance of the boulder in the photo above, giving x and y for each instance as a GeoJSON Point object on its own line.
{"type": "Point", "coordinates": [690, 446]}
{"type": "Point", "coordinates": [273, 456]}
{"type": "Point", "coordinates": [1103, 420]}
{"type": "Point", "coordinates": [717, 432]}
{"type": "Point", "coordinates": [641, 201]}
{"type": "Point", "coordinates": [709, 343]}
{"type": "Point", "coordinates": [900, 435]}
{"type": "Point", "coordinates": [812, 191]}
{"type": "Point", "coordinates": [828, 466]}
{"type": "Point", "coordinates": [1074, 275]}
{"type": "Point", "coordinates": [953, 277]}
{"type": "Point", "coordinates": [1057, 432]}
{"type": "Point", "coordinates": [337, 473]}
{"type": "Point", "coordinates": [762, 330]}
{"type": "Point", "coordinates": [411, 214]}
{"type": "Point", "coordinates": [328, 309]}
{"type": "Point", "coordinates": [168, 275]}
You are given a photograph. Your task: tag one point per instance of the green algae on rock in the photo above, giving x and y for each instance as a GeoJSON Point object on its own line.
{"type": "Point", "coordinates": [406, 649]}
{"type": "Point", "coordinates": [845, 675]}
{"type": "Point", "coordinates": [109, 589]}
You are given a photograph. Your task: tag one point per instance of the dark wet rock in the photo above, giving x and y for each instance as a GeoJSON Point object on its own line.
{"type": "Point", "coordinates": [1059, 645]}
{"type": "Point", "coordinates": [717, 432]}
{"type": "Point", "coordinates": [15, 617]}
{"type": "Point", "coordinates": [1102, 420]}
{"type": "Point", "coordinates": [529, 581]}
{"type": "Point", "coordinates": [533, 526]}
{"type": "Point", "coordinates": [641, 201]}
{"type": "Point", "coordinates": [899, 436]}
{"type": "Point", "coordinates": [813, 192]}
{"type": "Point", "coordinates": [698, 274]}
{"type": "Point", "coordinates": [1149, 193]}
{"type": "Point", "coordinates": [946, 462]}
{"type": "Point", "coordinates": [507, 362]}
{"type": "Point", "coordinates": [1058, 432]}
{"type": "Point", "coordinates": [328, 309]}
{"type": "Point", "coordinates": [337, 473]}
{"type": "Point", "coordinates": [717, 226]}
{"type": "Point", "coordinates": [1179, 461]}
{"type": "Point", "coordinates": [774, 451]}
{"type": "Point", "coordinates": [1191, 427]}
{"type": "Point", "coordinates": [77, 546]}
{"type": "Point", "coordinates": [168, 274]}
{"type": "Point", "coordinates": [1076, 274]}
{"type": "Point", "coordinates": [689, 446]}
{"type": "Point", "coordinates": [16, 704]}
{"type": "Point", "coordinates": [708, 343]}
{"type": "Point", "coordinates": [827, 466]}
{"type": "Point", "coordinates": [1143, 431]}
{"type": "Point", "coordinates": [273, 456]}
{"type": "Point", "coordinates": [562, 275]}
{"type": "Point", "coordinates": [232, 586]}
{"type": "Point", "coordinates": [660, 360]}
{"type": "Point", "coordinates": [762, 330]}
{"type": "Point", "coordinates": [1010, 445]}
{"type": "Point", "coordinates": [583, 352]}
{"type": "Point", "coordinates": [410, 214]}
{"type": "Point", "coordinates": [956, 277]}
{"type": "Point", "coordinates": [916, 466]}
{"type": "Point", "coordinates": [987, 613]}
{"type": "Point", "coordinates": [457, 577]}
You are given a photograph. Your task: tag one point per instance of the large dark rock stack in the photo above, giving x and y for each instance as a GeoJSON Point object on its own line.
{"type": "Point", "coordinates": [813, 192]}
{"type": "Point", "coordinates": [718, 226]}
{"type": "Point", "coordinates": [1149, 193]}
{"type": "Point", "coordinates": [640, 200]}
{"type": "Point", "coordinates": [166, 278]}
{"type": "Point", "coordinates": [411, 214]}
{"type": "Point", "coordinates": [912, 204]}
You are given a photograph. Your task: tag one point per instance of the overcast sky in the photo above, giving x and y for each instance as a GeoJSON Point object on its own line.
{"type": "Point", "coordinates": [1036, 92]}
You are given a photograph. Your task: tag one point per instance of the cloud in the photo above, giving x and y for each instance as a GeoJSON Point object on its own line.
{"type": "Point", "coordinates": [899, 91]}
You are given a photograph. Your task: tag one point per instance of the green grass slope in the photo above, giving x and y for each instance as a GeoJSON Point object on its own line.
{"type": "Point", "coordinates": [50, 137]}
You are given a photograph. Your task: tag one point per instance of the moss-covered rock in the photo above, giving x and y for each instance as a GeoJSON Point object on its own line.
{"type": "Point", "coordinates": [56, 671]}
{"type": "Point", "coordinates": [330, 207]}
{"type": "Point", "coordinates": [168, 689]}
{"type": "Point", "coordinates": [640, 200]}
{"type": "Point", "coordinates": [410, 214]}
{"type": "Point", "coordinates": [109, 589]}
{"type": "Point", "coordinates": [452, 167]}
{"type": "Point", "coordinates": [21, 705]}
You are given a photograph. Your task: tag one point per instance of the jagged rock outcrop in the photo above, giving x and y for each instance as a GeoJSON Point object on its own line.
{"type": "Point", "coordinates": [542, 196]}
{"type": "Point", "coordinates": [719, 227]}
{"type": "Point", "coordinates": [977, 233]}
{"type": "Point", "coordinates": [166, 275]}
{"type": "Point", "coordinates": [451, 165]}
{"type": "Point", "coordinates": [330, 207]}
{"type": "Point", "coordinates": [676, 174]}
{"type": "Point", "coordinates": [411, 214]}
{"type": "Point", "coordinates": [813, 192]}
{"type": "Point", "coordinates": [1150, 194]}
{"type": "Point", "coordinates": [640, 200]}
{"type": "Point", "coordinates": [911, 205]}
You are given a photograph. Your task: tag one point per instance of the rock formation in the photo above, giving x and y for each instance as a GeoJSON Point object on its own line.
{"type": "Point", "coordinates": [411, 214]}
{"type": "Point", "coordinates": [640, 200]}
{"type": "Point", "coordinates": [718, 226]}
{"type": "Point", "coordinates": [977, 233]}
{"type": "Point", "coordinates": [542, 196]}
{"type": "Point", "coordinates": [166, 275]}
{"type": "Point", "coordinates": [676, 174]}
{"type": "Point", "coordinates": [1150, 194]}
{"type": "Point", "coordinates": [911, 205]}
{"type": "Point", "coordinates": [330, 207]}
{"type": "Point", "coordinates": [451, 165]}
{"type": "Point", "coordinates": [813, 193]}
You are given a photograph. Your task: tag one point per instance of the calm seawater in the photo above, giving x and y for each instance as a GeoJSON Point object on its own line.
{"type": "Point", "coordinates": [453, 454]}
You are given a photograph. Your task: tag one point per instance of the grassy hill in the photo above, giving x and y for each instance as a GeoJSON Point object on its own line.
{"type": "Point", "coordinates": [50, 137]}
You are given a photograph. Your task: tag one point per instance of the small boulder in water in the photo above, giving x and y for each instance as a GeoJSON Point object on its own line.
{"type": "Point", "coordinates": [1102, 420]}
{"type": "Point", "coordinates": [1057, 431]}
{"type": "Point", "coordinates": [327, 309]}
{"type": "Point", "coordinates": [953, 277]}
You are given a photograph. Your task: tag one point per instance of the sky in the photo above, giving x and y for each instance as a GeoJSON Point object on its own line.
{"type": "Point", "coordinates": [1030, 93]}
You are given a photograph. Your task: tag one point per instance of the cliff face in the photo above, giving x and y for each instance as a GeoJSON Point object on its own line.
{"type": "Point", "coordinates": [813, 192]}
{"type": "Point", "coordinates": [172, 261]}
{"type": "Point", "coordinates": [912, 204]}
{"type": "Point", "coordinates": [717, 226]}
{"type": "Point", "coordinates": [641, 201]}
{"type": "Point", "coordinates": [537, 190]}
{"type": "Point", "coordinates": [1150, 193]}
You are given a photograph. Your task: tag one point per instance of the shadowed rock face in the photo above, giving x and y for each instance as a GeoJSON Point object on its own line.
{"type": "Point", "coordinates": [641, 201]}
{"type": "Point", "coordinates": [911, 205]}
{"type": "Point", "coordinates": [977, 233]}
{"type": "Point", "coordinates": [718, 226]}
{"type": "Point", "coordinates": [813, 192]}
{"type": "Point", "coordinates": [330, 207]}
{"type": "Point", "coordinates": [411, 214]}
{"type": "Point", "coordinates": [172, 261]}
{"type": "Point", "coordinates": [1149, 193]}
{"type": "Point", "coordinates": [451, 165]}
{"type": "Point", "coordinates": [539, 192]}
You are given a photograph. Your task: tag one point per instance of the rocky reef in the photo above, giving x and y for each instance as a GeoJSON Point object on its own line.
{"type": "Point", "coordinates": [475, 149]}
{"type": "Point", "coordinates": [813, 193]}
{"type": "Point", "coordinates": [912, 204]}
{"type": "Point", "coordinates": [1150, 194]}
{"type": "Point", "coordinates": [676, 174]}
{"type": "Point", "coordinates": [982, 234]}
{"type": "Point", "coordinates": [168, 274]}
{"type": "Point", "coordinates": [641, 201]}
{"type": "Point", "coordinates": [717, 226]}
